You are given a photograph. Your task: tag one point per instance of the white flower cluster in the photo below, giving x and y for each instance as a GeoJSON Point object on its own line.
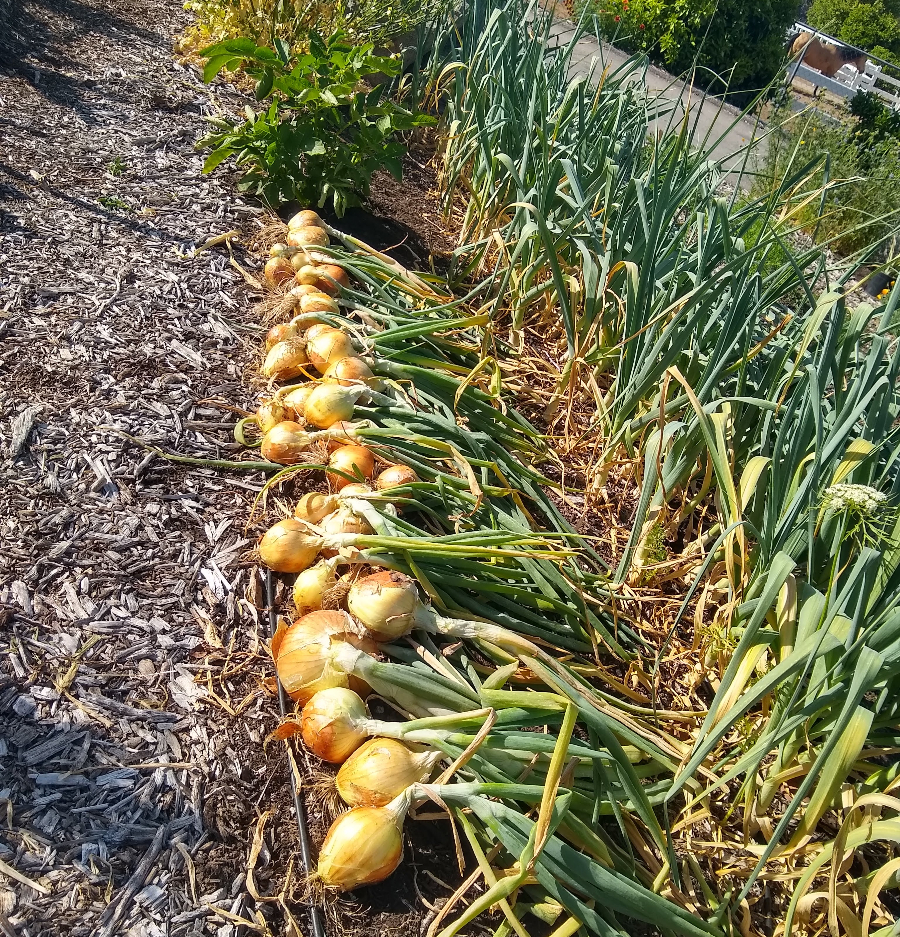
{"type": "Point", "coordinates": [862, 499]}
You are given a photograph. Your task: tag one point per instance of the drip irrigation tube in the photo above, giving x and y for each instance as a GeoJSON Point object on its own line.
{"type": "Point", "coordinates": [315, 918]}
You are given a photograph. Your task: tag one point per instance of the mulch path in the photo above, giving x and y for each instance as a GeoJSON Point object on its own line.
{"type": "Point", "coordinates": [133, 778]}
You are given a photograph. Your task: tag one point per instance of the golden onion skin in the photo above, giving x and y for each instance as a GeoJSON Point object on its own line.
{"type": "Point", "coordinates": [285, 547]}
{"type": "Point", "coordinates": [278, 270]}
{"type": "Point", "coordinates": [284, 332]}
{"type": "Point", "coordinates": [309, 236]}
{"type": "Point", "coordinates": [304, 657]}
{"type": "Point", "coordinates": [295, 398]}
{"type": "Point", "coordinates": [356, 461]}
{"type": "Point", "coordinates": [310, 587]}
{"type": "Point", "coordinates": [395, 476]}
{"type": "Point", "coordinates": [386, 603]}
{"type": "Point", "coordinates": [324, 348]}
{"type": "Point", "coordinates": [329, 404]}
{"type": "Point", "coordinates": [327, 724]}
{"type": "Point", "coordinates": [318, 302]}
{"type": "Point", "coordinates": [363, 846]}
{"type": "Point", "coordinates": [285, 443]}
{"type": "Point", "coordinates": [348, 371]}
{"type": "Point", "coordinates": [285, 360]}
{"type": "Point", "coordinates": [270, 413]}
{"type": "Point", "coordinates": [338, 274]}
{"type": "Point", "coordinates": [378, 771]}
{"type": "Point", "coordinates": [306, 218]}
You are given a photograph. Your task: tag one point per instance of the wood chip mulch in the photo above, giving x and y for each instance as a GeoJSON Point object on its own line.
{"type": "Point", "coordinates": [132, 709]}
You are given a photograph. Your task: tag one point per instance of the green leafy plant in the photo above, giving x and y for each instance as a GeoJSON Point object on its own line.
{"type": "Point", "coordinates": [324, 132]}
{"type": "Point", "coordinates": [117, 166]}
{"type": "Point", "coordinates": [741, 42]}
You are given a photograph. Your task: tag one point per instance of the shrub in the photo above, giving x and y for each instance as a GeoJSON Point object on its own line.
{"type": "Point", "coordinates": [323, 133]}
{"type": "Point", "coordinates": [742, 42]}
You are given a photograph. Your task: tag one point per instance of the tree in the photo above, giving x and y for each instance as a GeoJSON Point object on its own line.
{"type": "Point", "coordinates": [742, 42]}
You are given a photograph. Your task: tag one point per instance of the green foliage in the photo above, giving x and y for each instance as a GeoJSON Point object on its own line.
{"type": "Point", "coordinates": [858, 175]}
{"type": "Point", "coordinates": [117, 166]}
{"type": "Point", "coordinates": [875, 121]}
{"type": "Point", "coordinates": [292, 21]}
{"type": "Point", "coordinates": [114, 203]}
{"type": "Point", "coordinates": [873, 25]}
{"type": "Point", "coordinates": [323, 133]}
{"type": "Point", "coordinates": [741, 42]}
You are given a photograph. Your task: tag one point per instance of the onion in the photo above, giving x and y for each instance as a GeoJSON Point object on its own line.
{"type": "Point", "coordinates": [286, 547]}
{"type": "Point", "coordinates": [347, 370]}
{"type": "Point", "coordinates": [356, 461]}
{"type": "Point", "coordinates": [355, 490]}
{"type": "Point", "coordinates": [315, 274]}
{"type": "Point", "coordinates": [285, 443]}
{"type": "Point", "coordinates": [338, 274]}
{"type": "Point", "coordinates": [380, 770]}
{"type": "Point", "coordinates": [280, 250]}
{"type": "Point", "coordinates": [285, 360]}
{"type": "Point", "coordinates": [318, 302]}
{"type": "Point", "coordinates": [324, 348]}
{"type": "Point", "coordinates": [307, 257]}
{"type": "Point", "coordinates": [363, 846]}
{"type": "Point", "coordinates": [270, 413]}
{"type": "Point", "coordinates": [311, 585]}
{"type": "Point", "coordinates": [395, 476]}
{"type": "Point", "coordinates": [328, 724]}
{"type": "Point", "coordinates": [315, 507]}
{"type": "Point", "coordinates": [386, 603]}
{"type": "Point", "coordinates": [307, 658]}
{"type": "Point", "coordinates": [296, 397]}
{"type": "Point", "coordinates": [308, 236]}
{"type": "Point", "coordinates": [304, 289]}
{"type": "Point", "coordinates": [331, 403]}
{"type": "Point", "coordinates": [345, 521]}
{"type": "Point", "coordinates": [284, 332]}
{"type": "Point", "coordinates": [278, 270]}
{"type": "Point", "coordinates": [304, 219]}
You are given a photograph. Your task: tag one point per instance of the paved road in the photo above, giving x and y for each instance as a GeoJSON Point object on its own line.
{"type": "Point", "coordinates": [714, 124]}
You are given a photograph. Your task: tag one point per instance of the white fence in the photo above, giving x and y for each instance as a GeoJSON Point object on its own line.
{"type": "Point", "coordinates": [848, 80]}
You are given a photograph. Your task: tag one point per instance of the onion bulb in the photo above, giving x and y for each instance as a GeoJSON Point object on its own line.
{"type": "Point", "coordinates": [296, 397]}
{"type": "Point", "coordinates": [345, 521]}
{"type": "Point", "coordinates": [304, 289]}
{"type": "Point", "coordinates": [338, 274]}
{"type": "Point", "coordinates": [318, 302]}
{"type": "Point", "coordinates": [380, 770]}
{"type": "Point", "coordinates": [363, 846]}
{"type": "Point", "coordinates": [319, 328]}
{"type": "Point", "coordinates": [308, 236]}
{"type": "Point", "coordinates": [271, 412]}
{"type": "Point", "coordinates": [285, 443]}
{"type": "Point", "coordinates": [286, 547]}
{"type": "Point", "coordinates": [356, 461]}
{"type": "Point", "coordinates": [386, 603]}
{"type": "Point", "coordinates": [395, 476]}
{"type": "Point", "coordinates": [331, 403]}
{"type": "Point", "coordinates": [308, 656]}
{"type": "Point", "coordinates": [328, 724]}
{"type": "Point", "coordinates": [318, 275]}
{"type": "Point", "coordinates": [285, 360]}
{"type": "Point", "coordinates": [278, 270]}
{"type": "Point", "coordinates": [315, 507]}
{"type": "Point", "coordinates": [304, 219]}
{"type": "Point", "coordinates": [324, 348]}
{"type": "Point", "coordinates": [280, 250]}
{"type": "Point", "coordinates": [311, 585]}
{"type": "Point", "coordinates": [284, 332]}
{"type": "Point", "coordinates": [355, 490]}
{"type": "Point", "coordinates": [347, 370]}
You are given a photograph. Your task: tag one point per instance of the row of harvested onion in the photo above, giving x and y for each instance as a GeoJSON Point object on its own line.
{"type": "Point", "coordinates": [364, 845]}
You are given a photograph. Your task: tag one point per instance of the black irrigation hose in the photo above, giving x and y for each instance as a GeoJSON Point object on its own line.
{"type": "Point", "coordinates": [315, 918]}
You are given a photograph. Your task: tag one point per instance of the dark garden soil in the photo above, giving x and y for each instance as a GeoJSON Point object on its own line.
{"type": "Point", "coordinates": [133, 709]}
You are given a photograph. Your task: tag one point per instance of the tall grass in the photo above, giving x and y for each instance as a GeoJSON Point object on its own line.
{"type": "Point", "coordinates": [734, 392]}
